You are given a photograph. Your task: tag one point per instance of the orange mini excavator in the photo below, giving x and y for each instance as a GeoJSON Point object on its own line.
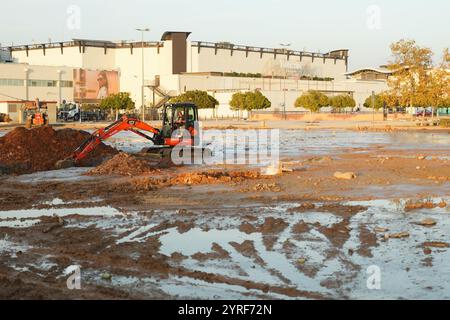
{"type": "Point", "coordinates": [175, 116]}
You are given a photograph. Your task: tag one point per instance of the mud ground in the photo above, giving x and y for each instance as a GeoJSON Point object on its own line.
{"type": "Point", "coordinates": [228, 232]}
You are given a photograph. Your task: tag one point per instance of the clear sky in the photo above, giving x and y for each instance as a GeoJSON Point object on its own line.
{"type": "Point", "coordinates": [365, 27]}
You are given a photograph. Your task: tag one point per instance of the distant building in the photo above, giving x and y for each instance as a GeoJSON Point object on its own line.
{"type": "Point", "coordinates": [370, 74]}
{"type": "Point", "coordinates": [23, 82]}
{"type": "Point", "coordinates": [5, 55]}
{"type": "Point", "coordinates": [174, 65]}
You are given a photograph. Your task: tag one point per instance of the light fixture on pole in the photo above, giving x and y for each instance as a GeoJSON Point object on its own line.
{"type": "Point", "coordinates": [286, 51]}
{"type": "Point", "coordinates": [285, 45]}
{"type": "Point", "coordinates": [142, 30]}
{"type": "Point", "coordinates": [59, 72]}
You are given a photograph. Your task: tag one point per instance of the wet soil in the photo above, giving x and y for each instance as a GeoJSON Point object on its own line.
{"type": "Point", "coordinates": [227, 231]}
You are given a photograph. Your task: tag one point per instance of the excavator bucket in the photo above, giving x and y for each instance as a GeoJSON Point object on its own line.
{"type": "Point", "coordinates": [65, 164]}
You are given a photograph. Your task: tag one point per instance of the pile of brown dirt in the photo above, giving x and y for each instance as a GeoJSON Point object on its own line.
{"type": "Point", "coordinates": [125, 165]}
{"type": "Point", "coordinates": [30, 150]}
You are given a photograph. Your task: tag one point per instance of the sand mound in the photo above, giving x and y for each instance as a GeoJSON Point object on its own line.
{"type": "Point", "coordinates": [125, 165]}
{"type": "Point", "coordinates": [30, 150]}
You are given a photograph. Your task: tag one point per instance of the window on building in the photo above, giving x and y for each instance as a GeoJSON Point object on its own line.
{"type": "Point", "coordinates": [42, 83]}
{"type": "Point", "coordinates": [11, 82]}
{"type": "Point", "coordinates": [12, 108]}
{"type": "Point", "coordinates": [66, 84]}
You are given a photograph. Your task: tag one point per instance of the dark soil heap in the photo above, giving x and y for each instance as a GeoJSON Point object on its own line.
{"type": "Point", "coordinates": [31, 150]}
{"type": "Point", "coordinates": [124, 164]}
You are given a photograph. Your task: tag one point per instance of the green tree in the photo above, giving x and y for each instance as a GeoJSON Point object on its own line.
{"type": "Point", "coordinates": [312, 101]}
{"type": "Point", "coordinates": [255, 100]}
{"type": "Point", "coordinates": [198, 97]}
{"type": "Point", "coordinates": [252, 100]}
{"type": "Point", "coordinates": [237, 101]}
{"type": "Point", "coordinates": [117, 102]}
{"type": "Point", "coordinates": [379, 102]}
{"type": "Point", "coordinates": [342, 101]}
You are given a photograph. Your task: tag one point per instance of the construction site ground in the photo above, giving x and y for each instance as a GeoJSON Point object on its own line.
{"type": "Point", "coordinates": [138, 230]}
{"type": "Point", "coordinates": [389, 125]}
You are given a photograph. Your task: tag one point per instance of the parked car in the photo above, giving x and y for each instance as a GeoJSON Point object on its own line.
{"type": "Point", "coordinates": [73, 112]}
{"type": "Point", "coordinates": [426, 113]}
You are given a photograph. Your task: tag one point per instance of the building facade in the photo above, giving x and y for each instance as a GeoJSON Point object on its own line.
{"type": "Point", "coordinates": [20, 81]}
{"type": "Point", "coordinates": [175, 64]}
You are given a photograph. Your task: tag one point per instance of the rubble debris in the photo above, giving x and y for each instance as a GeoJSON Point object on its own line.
{"type": "Point", "coordinates": [273, 170]}
{"type": "Point", "coordinates": [399, 235]}
{"type": "Point", "coordinates": [428, 222]}
{"type": "Point", "coordinates": [381, 230]}
{"type": "Point", "coordinates": [442, 204]}
{"type": "Point", "coordinates": [212, 177]}
{"type": "Point", "coordinates": [412, 205]}
{"type": "Point", "coordinates": [39, 149]}
{"type": "Point", "coordinates": [60, 222]}
{"type": "Point", "coordinates": [345, 175]}
{"type": "Point", "coordinates": [436, 244]}
{"type": "Point", "coordinates": [263, 187]}
{"type": "Point", "coordinates": [106, 276]}
{"type": "Point", "coordinates": [183, 212]}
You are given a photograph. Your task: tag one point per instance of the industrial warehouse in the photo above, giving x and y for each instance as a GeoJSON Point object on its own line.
{"type": "Point", "coordinates": [70, 71]}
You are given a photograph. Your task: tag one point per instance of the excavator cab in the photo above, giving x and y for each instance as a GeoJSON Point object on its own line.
{"type": "Point", "coordinates": [179, 116]}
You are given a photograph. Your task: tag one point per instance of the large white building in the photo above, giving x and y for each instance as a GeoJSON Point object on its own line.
{"type": "Point", "coordinates": [176, 64]}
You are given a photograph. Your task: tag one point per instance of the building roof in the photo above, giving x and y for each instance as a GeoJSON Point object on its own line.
{"type": "Point", "coordinates": [376, 70]}
{"type": "Point", "coordinates": [168, 35]}
{"type": "Point", "coordinates": [340, 54]}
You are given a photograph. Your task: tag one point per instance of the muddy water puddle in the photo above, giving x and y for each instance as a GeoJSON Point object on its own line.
{"type": "Point", "coordinates": [64, 175]}
{"type": "Point", "coordinates": [322, 250]}
{"type": "Point", "coordinates": [313, 142]}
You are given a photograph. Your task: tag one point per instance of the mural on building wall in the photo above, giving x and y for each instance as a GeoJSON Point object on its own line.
{"type": "Point", "coordinates": [92, 86]}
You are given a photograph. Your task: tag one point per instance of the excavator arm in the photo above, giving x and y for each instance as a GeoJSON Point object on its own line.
{"type": "Point", "coordinates": [124, 124]}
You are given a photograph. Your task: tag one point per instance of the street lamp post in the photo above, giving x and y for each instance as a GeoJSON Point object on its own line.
{"type": "Point", "coordinates": [27, 71]}
{"type": "Point", "coordinates": [142, 30]}
{"type": "Point", "coordinates": [286, 48]}
{"type": "Point", "coordinates": [59, 72]}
